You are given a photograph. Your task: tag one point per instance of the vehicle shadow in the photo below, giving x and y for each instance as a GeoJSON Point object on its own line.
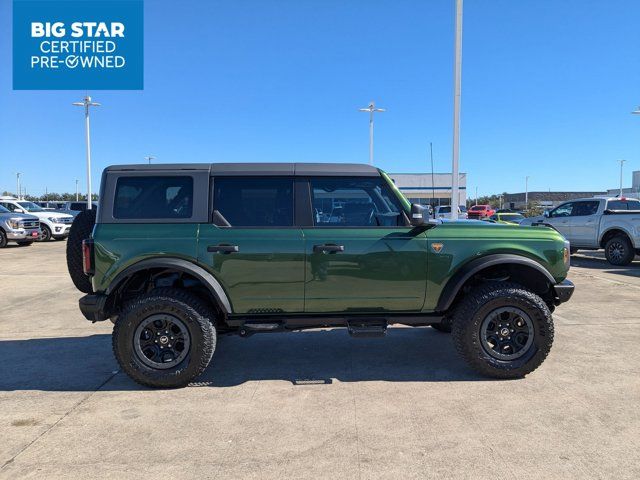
{"type": "Point", "coordinates": [597, 261]}
{"type": "Point", "coordinates": [302, 358]}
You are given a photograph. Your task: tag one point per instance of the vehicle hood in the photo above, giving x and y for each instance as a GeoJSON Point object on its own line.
{"type": "Point", "coordinates": [48, 214]}
{"type": "Point", "coordinates": [21, 216]}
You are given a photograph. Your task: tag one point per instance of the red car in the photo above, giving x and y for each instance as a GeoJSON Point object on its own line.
{"type": "Point", "coordinates": [479, 212]}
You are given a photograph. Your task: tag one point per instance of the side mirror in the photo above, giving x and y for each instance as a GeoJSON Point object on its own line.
{"type": "Point", "coordinates": [418, 213]}
{"type": "Point", "coordinates": [546, 214]}
{"type": "Point", "coordinates": [20, 210]}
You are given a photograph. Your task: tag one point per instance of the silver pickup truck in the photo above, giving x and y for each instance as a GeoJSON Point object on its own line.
{"type": "Point", "coordinates": [594, 223]}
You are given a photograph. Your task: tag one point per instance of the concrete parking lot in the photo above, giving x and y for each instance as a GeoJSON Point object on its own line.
{"type": "Point", "coordinates": [317, 404]}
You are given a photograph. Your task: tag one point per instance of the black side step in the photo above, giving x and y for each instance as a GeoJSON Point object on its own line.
{"type": "Point", "coordinates": [367, 327]}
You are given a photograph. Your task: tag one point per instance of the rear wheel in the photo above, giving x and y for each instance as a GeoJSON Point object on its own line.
{"type": "Point", "coordinates": [165, 338]}
{"type": "Point", "coordinates": [619, 250]}
{"type": "Point", "coordinates": [503, 330]}
{"type": "Point", "coordinates": [3, 239]}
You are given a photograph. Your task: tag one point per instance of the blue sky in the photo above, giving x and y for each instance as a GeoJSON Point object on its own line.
{"type": "Point", "coordinates": [547, 87]}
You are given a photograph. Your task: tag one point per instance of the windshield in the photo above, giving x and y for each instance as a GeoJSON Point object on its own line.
{"type": "Point", "coordinates": [31, 207]}
{"type": "Point", "coordinates": [4, 210]}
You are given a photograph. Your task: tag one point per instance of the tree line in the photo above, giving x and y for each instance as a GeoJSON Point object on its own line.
{"type": "Point", "coordinates": [53, 197]}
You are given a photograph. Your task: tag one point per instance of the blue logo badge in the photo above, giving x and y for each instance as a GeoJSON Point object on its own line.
{"type": "Point", "coordinates": [78, 45]}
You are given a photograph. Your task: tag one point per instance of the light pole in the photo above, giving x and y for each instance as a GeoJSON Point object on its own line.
{"type": "Point", "coordinates": [621, 163]}
{"type": "Point", "coordinates": [86, 103]}
{"type": "Point", "coordinates": [457, 76]}
{"type": "Point", "coordinates": [371, 109]}
{"type": "Point", "coordinates": [148, 158]}
{"type": "Point", "coordinates": [526, 193]}
{"type": "Point", "coordinates": [77, 190]}
{"type": "Point", "coordinates": [18, 184]}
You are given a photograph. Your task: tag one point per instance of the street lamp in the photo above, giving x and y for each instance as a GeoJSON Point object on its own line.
{"type": "Point", "coordinates": [621, 163]}
{"type": "Point", "coordinates": [371, 109]}
{"type": "Point", "coordinates": [18, 184]}
{"type": "Point", "coordinates": [77, 190]}
{"type": "Point", "coordinates": [457, 78]}
{"type": "Point", "coordinates": [526, 193]}
{"type": "Point", "coordinates": [148, 158]}
{"type": "Point", "coordinates": [86, 103]}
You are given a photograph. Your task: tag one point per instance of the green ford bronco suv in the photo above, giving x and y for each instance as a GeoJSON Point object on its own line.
{"type": "Point", "coordinates": [178, 254]}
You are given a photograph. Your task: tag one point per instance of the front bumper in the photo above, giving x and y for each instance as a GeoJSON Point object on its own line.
{"type": "Point", "coordinates": [92, 307]}
{"type": "Point", "coordinates": [23, 234]}
{"type": "Point", "coordinates": [563, 291]}
{"type": "Point", "coordinates": [60, 230]}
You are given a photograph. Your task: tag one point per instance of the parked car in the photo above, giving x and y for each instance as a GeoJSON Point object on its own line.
{"type": "Point", "coordinates": [53, 225]}
{"type": "Point", "coordinates": [182, 253]}
{"type": "Point", "coordinates": [444, 211]}
{"type": "Point", "coordinates": [74, 208]}
{"type": "Point", "coordinates": [508, 217]}
{"type": "Point", "coordinates": [478, 212]}
{"type": "Point", "coordinates": [595, 223]}
{"type": "Point", "coordinates": [18, 227]}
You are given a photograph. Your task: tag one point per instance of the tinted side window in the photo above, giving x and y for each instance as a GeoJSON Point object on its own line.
{"type": "Point", "coordinates": [78, 206]}
{"type": "Point", "coordinates": [354, 202]}
{"type": "Point", "coordinates": [10, 206]}
{"type": "Point", "coordinates": [254, 201]}
{"type": "Point", "coordinates": [582, 209]}
{"type": "Point", "coordinates": [153, 197]}
{"type": "Point", "coordinates": [623, 205]}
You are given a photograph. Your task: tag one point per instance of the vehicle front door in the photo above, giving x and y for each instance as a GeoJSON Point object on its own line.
{"type": "Point", "coordinates": [561, 217]}
{"type": "Point", "coordinates": [360, 254]}
{"type": "Point", "coordinates": [252, 246]}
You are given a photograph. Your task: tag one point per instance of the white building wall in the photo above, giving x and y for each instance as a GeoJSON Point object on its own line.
{"type": "Point", "coordinates": [428, 189]}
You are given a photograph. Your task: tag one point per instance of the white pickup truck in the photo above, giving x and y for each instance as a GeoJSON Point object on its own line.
{"type": "Point", "coordinates": [594, 223]}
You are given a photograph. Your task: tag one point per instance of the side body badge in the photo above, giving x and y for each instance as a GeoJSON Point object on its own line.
{"type": "Point", "coordinates": [437, 247]}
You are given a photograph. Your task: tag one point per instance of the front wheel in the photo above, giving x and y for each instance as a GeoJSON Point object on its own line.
{"type": "Point", "coordinates": [45, 233]}
{"type": "Point", "coordinates": [3, 239]}
{"type": "Point", "coordinates": [164, 338]}
{"type": "Point", "coordinates": [503, 330]}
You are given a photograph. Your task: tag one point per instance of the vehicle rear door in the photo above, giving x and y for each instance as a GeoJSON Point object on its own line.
{"type": "Point", "coordinates": [252, 246]}
{"type": "Point", "coordinates": [584, 223]}
{"type": "Point", "coordinates": [360, 254]}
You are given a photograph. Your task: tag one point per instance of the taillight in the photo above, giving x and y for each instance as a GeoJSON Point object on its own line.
{"type": "Point", "coordinates": [87, 256]}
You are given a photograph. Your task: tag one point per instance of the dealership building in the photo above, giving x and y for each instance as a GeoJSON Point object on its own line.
{"type": "Point", "coordinates": [430, 189]}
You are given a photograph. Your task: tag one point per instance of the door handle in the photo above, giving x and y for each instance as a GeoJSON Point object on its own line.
{"type": "Point", "coordinates": [328, 248]}
{"type": "Point", "coordinates": [223, 248]}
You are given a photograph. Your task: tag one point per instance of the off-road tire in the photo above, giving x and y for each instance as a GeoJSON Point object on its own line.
{"type": "Point", "coordinates": [46, 233]}
{"type": "Point", "coordinates": [622, 244]}
{"type": "Point", "coordinates": [444, 326]}
{"type": "Point", "coordinates": [477, 305]}
{"type": "Point", "coordinates": [24, 244]}
{"type": "Point", "coordinates": [196, 315]}
{"type": "Point", "coordinates": [3, 239]}
{"type": "Point", "coordinates": [81, 229]}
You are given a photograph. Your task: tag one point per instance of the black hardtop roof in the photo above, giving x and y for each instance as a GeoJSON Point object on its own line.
{"type": "Point", "coordinates": [256, 168]}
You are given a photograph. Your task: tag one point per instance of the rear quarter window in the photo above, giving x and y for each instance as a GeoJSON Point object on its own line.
{"type": "Point", "coordinates": [153, 197]}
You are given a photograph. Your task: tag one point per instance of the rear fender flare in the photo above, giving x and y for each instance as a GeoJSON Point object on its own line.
{"type": "Point", "coordinates": [180, 265]}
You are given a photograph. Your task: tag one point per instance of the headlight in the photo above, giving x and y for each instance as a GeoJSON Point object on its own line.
{"type": "Point", "coordinates": [13, 223]}
{"type": "Point", "coordinates": [566, 254]}
{"type": "Point", "coordinates": [54, 220]}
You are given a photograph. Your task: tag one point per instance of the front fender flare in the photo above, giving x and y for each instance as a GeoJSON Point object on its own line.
{"type": "Point", "coordinates": [469, 269]}
{"type": "Point", "coordinates": [183, 266]}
